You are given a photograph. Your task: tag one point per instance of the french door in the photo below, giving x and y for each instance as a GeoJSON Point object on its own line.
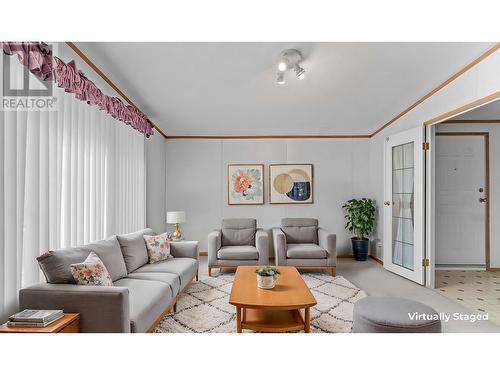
{"type": "Point", "coordinates": [404, 205]}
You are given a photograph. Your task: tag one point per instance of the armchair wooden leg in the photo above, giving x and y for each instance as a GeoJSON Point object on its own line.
{"type": "Point", "coordinates": [196, 275]}
{"type": "Point", "coordinates": [175, 307]}
{"type": "Point", "coordinates": [334, 271]}
{"type": "Point", "coordinates": [209, 271]}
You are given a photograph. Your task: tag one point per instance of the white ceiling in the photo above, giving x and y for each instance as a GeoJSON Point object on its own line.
{"type": "Point", "coordinates": [230, 88]}
{"type": "Point", "coordinates": [490, 111]}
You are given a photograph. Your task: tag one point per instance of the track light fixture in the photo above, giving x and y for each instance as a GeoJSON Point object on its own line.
{"type": "Point", "coordinates": [290, 59]}
{"type": "Point", "coordinates": [281, 78]}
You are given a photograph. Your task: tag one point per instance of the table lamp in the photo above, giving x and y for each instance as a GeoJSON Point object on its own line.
{"type": "Point", "coordinates": [176, 217]}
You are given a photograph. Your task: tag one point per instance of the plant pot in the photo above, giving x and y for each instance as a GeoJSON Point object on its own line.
{"type": "Point", "coordinates": [266, 282]}
{"type": "Point", "coordinates": [360, 248]}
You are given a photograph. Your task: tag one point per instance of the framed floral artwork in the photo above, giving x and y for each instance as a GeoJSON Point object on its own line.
{"type": "Point", "coordinates": [245, 184]}
{"type": "Point", "coordinates": [291, 183]}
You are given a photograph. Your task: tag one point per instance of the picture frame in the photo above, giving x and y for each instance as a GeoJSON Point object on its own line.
{"type": "Point", "coordinates": [291, 183]}
{"type": "Point", "coordinates": [245, 184]}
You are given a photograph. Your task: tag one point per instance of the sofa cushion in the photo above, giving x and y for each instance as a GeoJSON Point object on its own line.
{"type": "Point", "coordinates": [158, 247]}
{"type": "Point", "coordinates": [148, 299]}
{"type": "Point", "coordinates": [109, 252]}
{"type": "Point", "coordinates": [238, 253]}
{"type": "Point", "coordinates": [55, 265]}
{"type": "Point", "coordinates": [238, 232]}
{"type": "Point", "coordinates": [168, 278]}
{"type": "Point", "coordinates": [305, 251]}
{"type": "Point", "coordinates": [184, 268]}
{"type": "Point", "coordinates": [300, 230]}
{"type": "Point", "coordinates": [134, 249]}
{"type": "Point", "coordinates": [91, 271]}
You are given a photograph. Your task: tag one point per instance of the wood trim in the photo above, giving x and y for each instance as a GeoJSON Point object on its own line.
{"type": "Point", "coordinates": [494, 269]}
{"type": "Point", "coordinates": [438, 88]}
{"type": "Point", "coordinates": [203, 253]}
{"type": "Point", "coordinates": [172, 305]}
{"type": "Point", "coordinates": [466, 107]}
{"type": "Point", "coordinates": [456, 122]}
{"type": "Point", "coordinates": [356, 136]}
{"type": "Point", "coordinates": [107, 80]}
{"type": "Point", "coordinates": [487, 229]}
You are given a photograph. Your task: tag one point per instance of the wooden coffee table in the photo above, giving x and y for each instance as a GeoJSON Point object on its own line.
{"type": "Point", "coordinates": [273, 310]}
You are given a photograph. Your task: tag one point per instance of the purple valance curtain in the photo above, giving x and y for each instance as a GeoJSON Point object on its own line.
{"type": "Point", "coordinates": [37, 57]}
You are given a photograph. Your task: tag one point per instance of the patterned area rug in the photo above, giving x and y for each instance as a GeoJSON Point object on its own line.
{"type": "Point", "coordinates": [205, 306]}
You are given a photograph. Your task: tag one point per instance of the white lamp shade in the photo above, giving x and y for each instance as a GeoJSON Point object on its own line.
{"type": "Point", "coordinates": [176, 217]}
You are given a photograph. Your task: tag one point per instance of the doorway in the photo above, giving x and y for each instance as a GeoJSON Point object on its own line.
{"type": "Point", "coordinates": [462, 200]}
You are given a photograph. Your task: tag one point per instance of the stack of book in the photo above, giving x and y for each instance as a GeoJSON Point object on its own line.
{"type": "Point", "coordinates": [34, 318]}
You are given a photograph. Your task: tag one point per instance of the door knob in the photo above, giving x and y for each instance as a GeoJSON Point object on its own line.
{"type": "Point", "coordinates": [387, 203]}
{"type": "Point", "coordinates": [482, 200]}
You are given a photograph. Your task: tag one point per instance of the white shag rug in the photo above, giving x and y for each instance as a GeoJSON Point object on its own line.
{"type": "Point", "coordinates": [205, 307]}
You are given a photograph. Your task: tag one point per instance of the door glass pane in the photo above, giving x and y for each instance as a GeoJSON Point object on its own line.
{"type": "Point", "coordinates": [402, 205]}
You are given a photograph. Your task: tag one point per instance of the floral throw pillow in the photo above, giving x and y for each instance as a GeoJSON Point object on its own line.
{"type": "Point", "coordinates": [158, 247]}
{"type": "Point", "coordinates": [91, 271]}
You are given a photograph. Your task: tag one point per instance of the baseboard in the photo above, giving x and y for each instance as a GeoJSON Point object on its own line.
{"type": "Point", "coordinates": [378, 260]}
{"type": "Point", "coordinates": [492, 269]}
{"type": "Point", "coordinates": [343, 256]}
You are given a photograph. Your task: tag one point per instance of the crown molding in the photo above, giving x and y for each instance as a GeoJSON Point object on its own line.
{"type": "Point", "coordinates": [267, 136]}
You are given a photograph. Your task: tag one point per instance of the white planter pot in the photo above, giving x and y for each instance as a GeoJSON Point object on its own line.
{"type": "Point", "coordinates": [266, 282]}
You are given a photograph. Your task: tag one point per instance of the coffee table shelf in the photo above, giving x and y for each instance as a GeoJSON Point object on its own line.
{"type": "Point", "coordinates": [273, 310]}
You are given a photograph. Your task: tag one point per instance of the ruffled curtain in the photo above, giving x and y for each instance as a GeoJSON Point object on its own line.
{"type": "Point", "coordinates": [37, 57]}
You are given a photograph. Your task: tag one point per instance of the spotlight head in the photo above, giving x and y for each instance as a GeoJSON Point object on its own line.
{"type": "Point", "coordinates": [282, 66]}
{"type": "Point", "coordinates": [281, 78]}
{"type": "Point", "coordinates": [300, 72]}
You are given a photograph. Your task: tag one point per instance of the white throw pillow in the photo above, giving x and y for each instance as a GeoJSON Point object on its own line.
{"type": "Point", "coordinates": [91, 271]}
{"type": "Point", "coordinates": [158, 247]}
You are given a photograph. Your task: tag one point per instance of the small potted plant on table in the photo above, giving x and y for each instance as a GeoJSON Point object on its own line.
{"type": "Point", "coordinates": [266, 277]}
{"type": "Point", "coordinates": [360, 216]}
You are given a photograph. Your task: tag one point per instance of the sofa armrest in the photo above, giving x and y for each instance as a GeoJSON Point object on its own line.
{"type": "Point", "coordinates": [214, 244]}
{"type": "Point", "coordinates": [279, 241]}
{"type": "Point", "coordinates": [184, 249]}
{"type": "Point", "coordinates": [102, 308]}
{"type": "Point", "coordinates": [328, 241]}
{"type": "Point", "coordinates": [262, 245]}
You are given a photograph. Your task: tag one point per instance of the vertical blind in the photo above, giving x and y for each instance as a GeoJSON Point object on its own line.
{"type": "Point", "coordinates": [69, 177]}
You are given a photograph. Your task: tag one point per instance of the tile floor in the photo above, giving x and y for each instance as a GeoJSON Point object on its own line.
{"type": "Point", "coordinates": [477, 290]}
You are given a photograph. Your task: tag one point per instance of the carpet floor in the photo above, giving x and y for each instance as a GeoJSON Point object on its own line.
{"type": "Point", "coordinates": [205, 307]}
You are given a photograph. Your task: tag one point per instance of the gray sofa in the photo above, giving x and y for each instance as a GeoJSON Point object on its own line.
{"type": "Point", "coordinates": [238, 243]}
{"type": "Point", "coordinates": [300, 243]}
{"type": "Point", "coordinates": [141, 294]}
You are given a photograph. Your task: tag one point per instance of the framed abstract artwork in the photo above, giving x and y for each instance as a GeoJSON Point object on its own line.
{"type": "Point", "coordinates": [245, 184]}
{"type": "Point", "coordinates": [291, 183]}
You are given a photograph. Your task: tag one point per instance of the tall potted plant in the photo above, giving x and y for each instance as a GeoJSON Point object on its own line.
{"type": "Point", "coordinates": [360, 217]}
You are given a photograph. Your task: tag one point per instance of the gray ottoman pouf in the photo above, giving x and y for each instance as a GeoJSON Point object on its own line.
{"type": "Point", "coordinates": [392, 315]}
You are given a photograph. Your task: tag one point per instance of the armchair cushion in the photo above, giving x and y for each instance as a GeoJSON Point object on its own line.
{"type": "Point", "coordinates": [305, 251]}
{"type": "Point", "coordinates": [300, 230]}
{"type": "Point", "coordinates": [238, 253]}
{"type": "Point", "coordinates": [238, 232]}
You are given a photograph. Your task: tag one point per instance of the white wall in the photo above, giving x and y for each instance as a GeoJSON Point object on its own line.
{"type": "Point", "coordinates": [494, 132]}
{"type": "Point", "coordinates": [196, 181]}
{"type": "Point", "coordinates": [480, 81]}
